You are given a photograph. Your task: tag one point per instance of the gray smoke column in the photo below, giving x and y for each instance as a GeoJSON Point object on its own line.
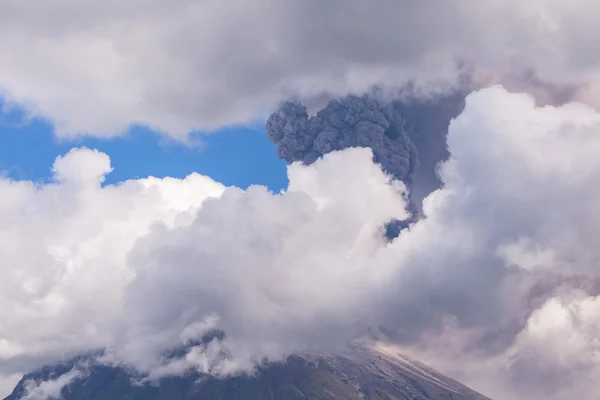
{"type": "Point", "coordinates": [408, 137]}
{"type": "Point", "coordinates": [351, 122]}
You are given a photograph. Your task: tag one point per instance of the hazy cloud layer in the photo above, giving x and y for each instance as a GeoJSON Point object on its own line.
{"type": "Point", "coordinates": [97, 66]}
{"type": "Point", "coordinates": [497, 285]}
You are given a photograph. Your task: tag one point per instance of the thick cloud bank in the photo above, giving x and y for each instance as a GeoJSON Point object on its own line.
{"type": "Point", "coordinates": [497, 286]}
{"type": "Point", "coordinates": [97, 66]}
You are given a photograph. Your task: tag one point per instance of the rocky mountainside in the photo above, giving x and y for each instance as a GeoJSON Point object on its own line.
{"type": "Point", "coordinates": [374, 373]}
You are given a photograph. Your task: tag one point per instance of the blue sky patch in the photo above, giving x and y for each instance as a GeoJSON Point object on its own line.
{"type": "Point", "coordinates": [28, 149]}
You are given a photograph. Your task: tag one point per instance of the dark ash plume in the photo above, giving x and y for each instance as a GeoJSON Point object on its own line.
{"type": "Point", "coordinates": [408, 137]}
{"type": "Point", "coordinates": [351, 122]}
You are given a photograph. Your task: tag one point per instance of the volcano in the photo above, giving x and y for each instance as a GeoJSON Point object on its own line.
{"type": "Point", "coordinates": [373, 372]}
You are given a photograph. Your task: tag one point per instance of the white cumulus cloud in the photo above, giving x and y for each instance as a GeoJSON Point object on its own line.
{"type": "Point", "coordinates": [64, 248]}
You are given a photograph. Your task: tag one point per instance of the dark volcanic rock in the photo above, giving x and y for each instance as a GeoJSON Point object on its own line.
{"type": "Point", "coordinates": [359, 373]}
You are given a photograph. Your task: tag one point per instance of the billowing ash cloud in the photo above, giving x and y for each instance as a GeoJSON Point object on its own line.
{"type": "Point", "coordinates": [351, 122]}
{"type": "Point", "coordinates": [407, 137]}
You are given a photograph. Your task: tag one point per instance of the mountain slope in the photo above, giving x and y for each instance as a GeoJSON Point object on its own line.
{"type": "Point", "coordinates": [360, 373]}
